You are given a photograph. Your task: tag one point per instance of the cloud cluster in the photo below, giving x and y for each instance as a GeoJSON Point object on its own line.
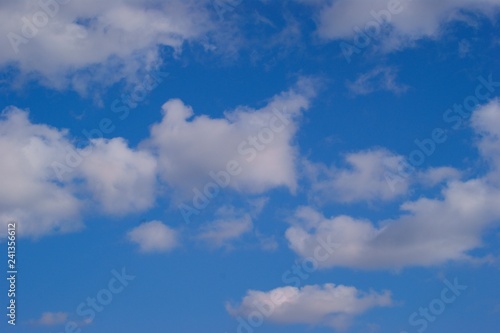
{"type": "Point", "coordinates": [430, 231]}
{"type": "Point", "coordinates": [51, 179]}
{"type": "Point", "coordinates": [379, 78]}
{"type": "Point", "coordinates": [224, 230]}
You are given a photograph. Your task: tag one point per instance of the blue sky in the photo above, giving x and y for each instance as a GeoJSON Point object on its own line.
{"type": "Point", "coordinates": [251, 166]}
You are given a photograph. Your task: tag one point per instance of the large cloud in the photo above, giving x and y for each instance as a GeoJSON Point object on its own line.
{"type": "Point", "coordinates": [73, 42]}
{"type": "Point", "coordinates": [30, 193]}
{"type": "Point", "coordinates": [258, 142]}
{"type": "Point", "coordinates": [46, 179]}
{"type": "Point", "coordinates": [430, 232]}
{"type": "Point", "coordinates": [121, 179]}
{"type": "Point", "coordinates": [410, 20]}
{"type": "Point", "coordinates": [330, 305]}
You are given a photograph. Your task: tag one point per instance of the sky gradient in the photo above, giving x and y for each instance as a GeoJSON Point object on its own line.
{"type": "Point", "coordinates": [251, 166]}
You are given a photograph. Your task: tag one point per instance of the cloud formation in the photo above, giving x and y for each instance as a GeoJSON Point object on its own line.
{"type": "Point", "coordinates": [326, 305]}
{"type": "Point", "coordinates": [68, 43]}
{"type": "Point", "coordinates": [154, 236]}
{"type": "Point", "coordinates": [30, 193]}
{"type": "Point", "coordinates": [431, 231]}
{"type": "Point", "coordinates": [362, 179]}
{"type": "Point", "coordinates": [255, 143]}
{"type": "Point", "coordinates": [396, 23]}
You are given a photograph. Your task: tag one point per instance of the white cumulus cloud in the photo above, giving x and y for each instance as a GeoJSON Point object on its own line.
{"type": "Point", "coordinates": [30, 192]}
{"type": "Point", "coordinates": [430, 231]}
{"type": "Point", "coordinates": [249, 150]}
{"type": "Point", "coordinates": [328, 305]}
{"type": "Point", "coordinates": [154, 236]}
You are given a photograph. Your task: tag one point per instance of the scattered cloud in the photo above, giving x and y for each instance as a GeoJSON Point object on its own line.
{"type": "Point", "coordinates": [380, 78]}
{"type": "Point", "coordinates": [430, 232]}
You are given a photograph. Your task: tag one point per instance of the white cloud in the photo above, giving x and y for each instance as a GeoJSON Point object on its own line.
{"type": "Point", "coordinates": [121, 179]}
{"type": "Point", "coordinates": [328, 305]}
{"type": "Point", "coordinates": [30, 193]}
{"type": "Point", "coordinates": [95, 41]}
{"type": "Point", "coordinates": [434, 176]}
{"type": "Point", "coordinates": [154, 236]}
{"type": "Point", "coordinates": [431, 231]}
{"type": "Point", "coordinates": [190, 147]}
{"type": "Point", "coordinates": [363, 180]}
{"type": "Point", "coordinates": [409, 21]}
{"type": "Point", "coordinates": [51, 319]}
{"type": "Point", "coordinates": [222, 232]}
{"type": "Point", "coordinates": [46, 179]}
{"type": "Point", "coordinates": [380, 78]}
{"type": "Point", "coordinates": [486, 123]}
{"type": "Point", "coordinates": [49, 179]}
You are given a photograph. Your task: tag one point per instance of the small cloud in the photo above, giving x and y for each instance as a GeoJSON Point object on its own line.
{"type": "Point", "coordinates": [267, 243]}
{"type": "Point", "coordinates": [378, 79]}
{"type": "Point", "coordinates": [222, 232]}
{"type": "Point", "coordinates": [51, 319]}
{"type": "Point", "coordinates": [153, 236]}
